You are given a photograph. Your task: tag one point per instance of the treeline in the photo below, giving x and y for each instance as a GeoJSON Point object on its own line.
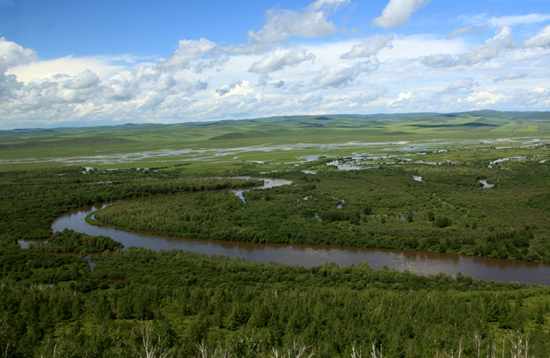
{"type": "Point", "coordinates": [27, 211]}
{"type": "Point", "coordinates": [71, 241]}
{"type": "Point", "coordinates": [186, 301]}
{"type": "Point", "coordinates": [381, 208]}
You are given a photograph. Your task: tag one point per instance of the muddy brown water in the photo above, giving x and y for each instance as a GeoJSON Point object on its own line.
{"type": "Point", "coordinates": [418, 262]}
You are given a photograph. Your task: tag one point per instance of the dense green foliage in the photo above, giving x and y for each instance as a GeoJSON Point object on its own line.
{"type": "Point", "coordinates": [30, 200]}
{"type": "Point", "coordinates": [54, 305]}
{"type": "Point", "coordinates": [38, 267]}
{"type": "Point", "coordinates": [72, 241]}
{"type": "Point", "coordinates": [383, 208]}
{"type": "Point", "coordinates": [250, 308]}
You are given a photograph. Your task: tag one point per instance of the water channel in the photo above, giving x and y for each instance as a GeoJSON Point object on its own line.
{"type": "Point", "coordinates": [418, 262]}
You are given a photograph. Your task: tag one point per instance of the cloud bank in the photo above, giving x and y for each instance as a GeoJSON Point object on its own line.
{"type": "Point", "coordinates": [299, 61]}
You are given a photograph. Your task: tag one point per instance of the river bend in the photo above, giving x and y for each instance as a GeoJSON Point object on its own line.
{"type": "Point", "coordinates": [418, 262]}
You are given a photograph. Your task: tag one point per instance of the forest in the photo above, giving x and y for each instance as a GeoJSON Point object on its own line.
{"type": "Point", "coordinates": [190, 304]}
{"type": "Point", "coordinates": [142, 303]}
{"type": "Point", "coordinates": [448, 211]}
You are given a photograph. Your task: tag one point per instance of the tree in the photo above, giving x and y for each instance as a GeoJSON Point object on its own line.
{"type": "Point", "coordinates": [151, 347]}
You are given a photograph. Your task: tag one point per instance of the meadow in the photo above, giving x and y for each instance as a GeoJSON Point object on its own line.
{"type": "Point", "coordinates": [277, 142]}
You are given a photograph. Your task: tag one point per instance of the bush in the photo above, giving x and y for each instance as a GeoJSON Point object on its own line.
{"type": "Point", "coordinates": [442, 222]}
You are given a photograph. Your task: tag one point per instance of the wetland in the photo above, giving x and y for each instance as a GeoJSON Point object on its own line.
{"type": "Point", "coordinates": [365, 230]}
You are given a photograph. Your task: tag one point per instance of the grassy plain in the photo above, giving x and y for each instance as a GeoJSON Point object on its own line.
{"type": "Point", "coordinates": [278, 142]}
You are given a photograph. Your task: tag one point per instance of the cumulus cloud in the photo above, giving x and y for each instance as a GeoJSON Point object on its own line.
{"type": "Point", "coordinates": [228, 88]}
{"type": "Point", "coordinates": [203, 53]}
{"type": "Point", "coordinates": [123, 86]}
{"type": "Point", "coordinates": [12, 54]}
{"type": "Point", "coordinates": [279, 58]}
{"type": "Point", "coordinates": [320, 77]}
{"type": "Point", "coordinates": [103, 67]}
{"type": "Point", "coordinates": [440, 61]}
{"type": "Point", "coordinates": [478, 53]}
{"type": "Point", "coordinates": [216, 63]}
{"type": "Point", "coordinates": [369, 47]}
{"type": "Point", "coordinates": [280, 24]}
{"type": "Point", "coordinates": [542, 39]}
{"type": "Point", "coordinates": [83, 80]}
{"type": "Point", "coordinates": [466, 30]}
{"type": "Point", "coordinates": [484, 98]}
{"type": "Point", "coordinates": [368, 97]}
{"type": "Point", "coordinates": [401, 100]}
{"type": "Point", "coordinates": [336, 77]}
{"type": "Point", "coordinates": [491, 48]}
{"type": "Point", "coordinates": [165, 86]}
{"type": "Point", "coordinates": [398, 12]}
{"type": "Point", "coordinates": [460, 85]}
{"type": "Point", "coordinates": [40, 92]}
{"type": "Point", "coordinates": [189, 50]}
{"type": "Point", "coordinates": [510, 76]}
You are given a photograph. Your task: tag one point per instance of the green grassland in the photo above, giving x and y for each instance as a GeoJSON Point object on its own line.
{"type": "Point", "coordinates": [278, 139]}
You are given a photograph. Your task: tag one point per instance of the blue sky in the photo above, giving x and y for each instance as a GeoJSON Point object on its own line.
{"type": "Point", "coordinates": [73, 63]}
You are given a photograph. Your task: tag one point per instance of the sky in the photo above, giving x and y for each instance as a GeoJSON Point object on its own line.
{"type": "Point", "coordinates": [70, 63]}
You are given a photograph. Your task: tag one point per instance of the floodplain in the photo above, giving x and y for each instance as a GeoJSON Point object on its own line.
{"type": "Point", "coordinates": [474, 184]}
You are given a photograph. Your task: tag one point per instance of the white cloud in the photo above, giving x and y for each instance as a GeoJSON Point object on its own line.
{"type": "Point", "coordinates": [319, 4]}
{"type": "Point", "coordinates": [491, 48]}
{"type": "Point", "coordinates": [12, 54]}
{"type": "Point", "coordinates": [460, 85]}
{"type": "Point", "coordinates": [368, 47]}
{"type": "Point", "coordinates": [517, 20]}
{"type": "Point", "coordinates": [364, 98]}
{"type": "Point", "coordinates": [188, 51]}
{"type": "Point", "coordinates": [402, 99]}
{"type": "Point", "coordinates": [123, 86]}
{"type": "Point", "coordinates": [83, 80]}
{"type": "Point", "coordinates": [542, 39]}
{"type": "Point", "coordinates": [415, 46]}
{"type": "Point", "coordinates": [466, 30]}
{"type": "Point", "coordinates": [398, 12]}
{"type": "Point", "coordinates": [336, 77]}
{"type": "Point", "coordinates": [478, 53]}
{"type": "Point", "coordinates": [440, 61]}
{"type": "Point", "coordinates": [280, 24]}
{"type": "Point", "coordinates": [228, 88]}
{"type": "Point", "coordinates": [499, 21]}
{"type": "Point", "coordinates": [510, 76]}
{"type": "Point", "coordinates": [69, 65]}
{"type": "Point", "coordinates": [203, 80]}
{"type": "Point", "coordinates": [202, 54]}
{"type": "Point", "coordinates": [279, 58]}
{"type": "Point", "coordinates": [484, 98]}
{"type": "Point", "coordinates": [165, 83]}
{"type": "Point", "coordinates": [216, 63]}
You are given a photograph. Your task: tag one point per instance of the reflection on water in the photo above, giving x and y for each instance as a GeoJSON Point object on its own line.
{"type": "Point", "coordinates": [485, 184]}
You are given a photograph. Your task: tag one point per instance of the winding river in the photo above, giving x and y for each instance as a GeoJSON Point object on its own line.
{"type": "Point", "coordinates": [419, 262]}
